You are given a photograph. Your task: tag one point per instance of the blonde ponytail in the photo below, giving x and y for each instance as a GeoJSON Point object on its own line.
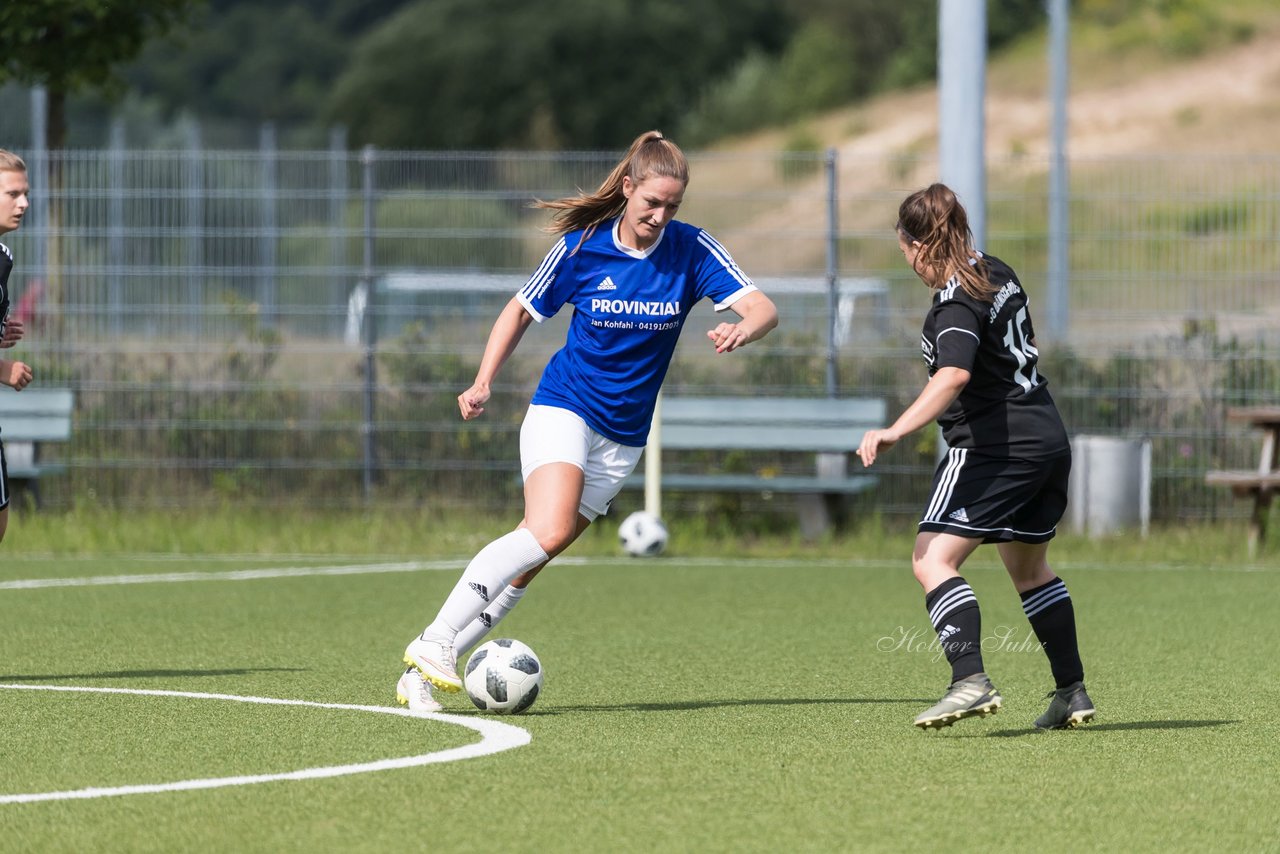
{"type": "Point", "coordinates": [650, 155]}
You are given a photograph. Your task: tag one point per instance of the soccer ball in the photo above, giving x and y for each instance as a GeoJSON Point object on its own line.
{"type": "Point", "coordinates": [503, 676]}
{"type": "Point", "coordinates": [643, 534]}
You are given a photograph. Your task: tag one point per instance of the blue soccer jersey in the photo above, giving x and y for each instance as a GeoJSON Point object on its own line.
{"type": "Point", "coordinates": [629, 307]}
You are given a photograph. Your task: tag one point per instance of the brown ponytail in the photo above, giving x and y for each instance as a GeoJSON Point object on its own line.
{"type": "Point", "coordinates": [651, 155]}
{"type": "Point", "coordinates": [934, 218]}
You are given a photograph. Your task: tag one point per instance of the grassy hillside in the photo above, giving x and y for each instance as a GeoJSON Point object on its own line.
{"type": "Point", "coordinates": [1135, 87]}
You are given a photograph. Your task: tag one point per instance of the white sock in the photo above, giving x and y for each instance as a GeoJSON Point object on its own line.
{"type": "Point", "coordinates": [490, 571]}
{"type": "Point", "coordinates": [490, 617]}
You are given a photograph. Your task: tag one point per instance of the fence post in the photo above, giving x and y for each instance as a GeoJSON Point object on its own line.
{"type": "Point", "coordinates": [962, 67]}
{"type": "Point", "coordinates": [653, 463]}
{"type": "Point", "coordinates": [270, 224]}
{"type": "Point", "coordinates": [115, 229]}
{"type": "Point", "coordinates": [338, 214]}
{"type": "Point", "coordinates": [193, 190]}
{"type": "Point", "coordinates": [1059, 299]}
{"type": "Point", "coordinates": [38, 169]}
{"type": "Point", "coordinates": [367, 159]}
{"type": "Point", "coordinates": [833, 267]}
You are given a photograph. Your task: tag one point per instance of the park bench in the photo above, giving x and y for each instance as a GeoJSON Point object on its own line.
{"type": "Point", "coordinates": [828, 429]}
{"type": "Point", "coordinates": [30, 419]}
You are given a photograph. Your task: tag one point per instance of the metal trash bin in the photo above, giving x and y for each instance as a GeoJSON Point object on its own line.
{"type": "Point", "coordinates": [1110, 485]}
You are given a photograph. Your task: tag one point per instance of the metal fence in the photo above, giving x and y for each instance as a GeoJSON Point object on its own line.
{"type": "Point", "coordinates": [293, 326]}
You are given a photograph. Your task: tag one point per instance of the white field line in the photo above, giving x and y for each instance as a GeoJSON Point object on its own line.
{"type": "Point", "coordinates": [233, 575]}
{"type": "Point", "coordinates": [616, 562]}
{"type": "Point", "coordinates": [495, 738]}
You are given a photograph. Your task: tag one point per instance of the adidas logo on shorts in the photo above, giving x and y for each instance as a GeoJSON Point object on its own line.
{"type": "Point", "coordinates": [958, 515]}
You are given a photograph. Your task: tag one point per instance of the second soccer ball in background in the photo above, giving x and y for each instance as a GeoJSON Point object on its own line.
{"type": "Point", "coordinates": [642, 534]}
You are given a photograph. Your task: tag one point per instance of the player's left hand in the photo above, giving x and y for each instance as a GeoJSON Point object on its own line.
{"type": "Point", "coordinates": [16, 375]}
{"type": "Point", "coordinates": [13, 332]}
{"type": "Point", "coordinates": [728, 337]}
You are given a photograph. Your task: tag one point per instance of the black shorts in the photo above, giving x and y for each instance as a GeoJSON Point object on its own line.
{"type": "Point", "coordinates": [997, 499]}
{"type": "Point", "coordinates": [4, 479]}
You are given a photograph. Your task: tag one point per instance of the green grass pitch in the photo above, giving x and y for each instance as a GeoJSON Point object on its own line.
{"type": "Point", "coordinates": [699, 704]}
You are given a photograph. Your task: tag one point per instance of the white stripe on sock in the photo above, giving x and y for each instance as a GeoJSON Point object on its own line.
{"type": "Point", "coordinates": [949, 602]}
{"type": "Point", "coordinates": [1045, 598]}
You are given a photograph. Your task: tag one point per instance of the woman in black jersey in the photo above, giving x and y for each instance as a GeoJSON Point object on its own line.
{"type": "Point", "coordinates": [15, 198]}
{"type": "Point", "coordinates": [1004, 477]}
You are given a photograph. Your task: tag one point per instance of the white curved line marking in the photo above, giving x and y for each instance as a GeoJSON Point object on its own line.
{"type": "Point", "coordinates": [496, 737]}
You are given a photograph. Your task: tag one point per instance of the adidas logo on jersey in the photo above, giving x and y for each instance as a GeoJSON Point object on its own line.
{"type": "Point", "coordinates": [607, 285]}
{"type": "Point", "coordinates": [958, 515]}
{"type": "Point", "coordinates": [481, 590]}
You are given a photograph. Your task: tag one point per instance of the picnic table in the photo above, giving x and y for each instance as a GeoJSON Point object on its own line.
{"type": "Point", "coordinates": [1260, 483]}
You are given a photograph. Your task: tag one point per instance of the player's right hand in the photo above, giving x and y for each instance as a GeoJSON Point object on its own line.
{"type": "Point", "coordinates": [13, 332]}
{"type": "Point", "coordinates": [471, 402]}
{"type": "Point", "coordinates": [872, 442]}
{"type": "Point", "coordinates": [16, 375]}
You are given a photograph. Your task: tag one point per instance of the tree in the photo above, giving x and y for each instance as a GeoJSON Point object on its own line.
{"type": "Point", "coordinates": [69, 45]}
{"type": "Point", "coordinates": [65, 46]}
{"type": "Point", "coordinates": [555, 73]}
{"type": "Point", "coordinates": [248, 61]}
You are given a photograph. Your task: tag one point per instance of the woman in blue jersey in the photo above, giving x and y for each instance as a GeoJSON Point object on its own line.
{"type": "Point", "coordinates": [632, 273]}
{"type": "Point", "coordinates": [1004, 477]}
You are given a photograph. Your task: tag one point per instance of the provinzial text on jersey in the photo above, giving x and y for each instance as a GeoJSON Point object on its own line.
{"type": "Point", "coordinates": [627, 306]}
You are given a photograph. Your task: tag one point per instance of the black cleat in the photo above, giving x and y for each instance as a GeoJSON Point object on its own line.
{"type": "Point", "coordinates": [1069, 706]}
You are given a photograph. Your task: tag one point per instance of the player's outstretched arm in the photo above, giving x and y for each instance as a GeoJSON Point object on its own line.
{"type": "Point", "coordinates": [943, 388]}
{"type": "Point", "coordinates": [503, 338]}
{"type": "Point", "coordinates": [16, 375]}
{"type": "Point", "coordinates": [759, 316]}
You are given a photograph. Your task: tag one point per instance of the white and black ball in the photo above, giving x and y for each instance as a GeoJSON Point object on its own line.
{"type": "Point", "coordinates": [503, 676]}
{"type": "Point", "coordinates": [642, 534]}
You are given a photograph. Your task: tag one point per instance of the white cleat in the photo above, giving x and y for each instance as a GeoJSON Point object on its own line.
{"type": "Point", "coordinates": [415, 692]}
{"type": "Point", "coordinates": [437, 661]}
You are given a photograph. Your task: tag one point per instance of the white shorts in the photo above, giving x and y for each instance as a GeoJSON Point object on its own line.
{"type": "Point", "coordinates": [550, 434]}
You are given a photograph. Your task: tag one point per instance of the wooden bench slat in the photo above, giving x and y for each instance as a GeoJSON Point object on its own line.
{"type": "Point", "coordinates": [28, 428]}
{"type": "Point", "coordinates": [1261, 415]}
{"type": "Point", "coordinates": [1243, 478]}
{"type": "Point", "coordinates": [47, 401]}
{"type": "Point", "coordinates": [757, 483]}
{"type": "Point", "coordinates": [780, 411]}
{"type": "Point", "coordinates": [686, 437]}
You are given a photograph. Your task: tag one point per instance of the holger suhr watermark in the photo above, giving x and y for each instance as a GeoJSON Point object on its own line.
{"type": "Point", "coordinates": [917, 640]}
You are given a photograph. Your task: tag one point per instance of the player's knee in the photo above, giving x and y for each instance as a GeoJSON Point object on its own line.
{"type": "Point", "coordinates": [554, 538]}
{"type": "Point", "coordinates": [921, 570]}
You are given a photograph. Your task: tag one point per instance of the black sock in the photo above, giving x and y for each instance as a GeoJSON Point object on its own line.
{"type": "Point", "coordinates": [953, 610]}
{"type": "Point", "coordinates": [1053, 619]}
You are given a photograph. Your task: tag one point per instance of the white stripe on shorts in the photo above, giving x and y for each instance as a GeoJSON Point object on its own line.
{"type": "Point", "coordinates": [946, 484]}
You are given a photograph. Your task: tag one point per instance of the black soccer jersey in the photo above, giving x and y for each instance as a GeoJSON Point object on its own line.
{"type": "Point", "coordinates": [1005, 409]}
{"type": "Point", "coordinates": [6, 267]}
